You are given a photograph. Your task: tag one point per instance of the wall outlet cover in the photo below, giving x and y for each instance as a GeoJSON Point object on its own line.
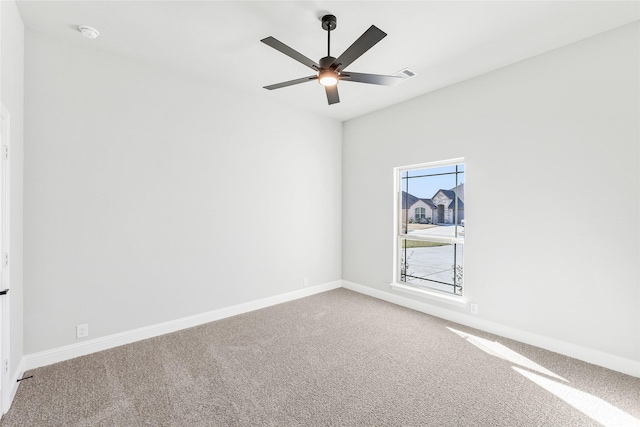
{"type": "Point", "coordinates": [473, 308]}
{"type": "Point", "coordinates": [82, 331]}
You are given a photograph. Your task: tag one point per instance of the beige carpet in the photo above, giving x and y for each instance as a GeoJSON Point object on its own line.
{"type": "Point", "coordinates": [338, 358]}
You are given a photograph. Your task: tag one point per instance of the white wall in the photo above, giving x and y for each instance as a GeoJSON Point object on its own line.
{"type": "Point", "coordinates": [549, 137]}
{"type": "Point", "coordinates": [11, 96]}
{"type": "Point", "coordinates": [151, 196]}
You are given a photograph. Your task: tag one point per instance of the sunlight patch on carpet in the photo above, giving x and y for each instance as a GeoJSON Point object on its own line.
{"type": "Point", "coordinates": [590, 405]}
{"type": "Point", "coordinates": [498, 350]}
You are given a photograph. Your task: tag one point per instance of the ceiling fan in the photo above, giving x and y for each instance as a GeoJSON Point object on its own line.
{"type": "Point", "coordinates": [330, 70]}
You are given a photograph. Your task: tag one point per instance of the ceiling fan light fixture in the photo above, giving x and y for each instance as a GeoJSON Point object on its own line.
{"type": "Point", "coordinates": [328, 78]}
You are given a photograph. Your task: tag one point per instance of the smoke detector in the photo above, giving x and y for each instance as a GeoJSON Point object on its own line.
{"type": "Point", "coordinates": [88, 32]}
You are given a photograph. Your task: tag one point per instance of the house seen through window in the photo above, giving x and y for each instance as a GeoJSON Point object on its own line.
{"type": "Point", "coordinates": [431, 227]}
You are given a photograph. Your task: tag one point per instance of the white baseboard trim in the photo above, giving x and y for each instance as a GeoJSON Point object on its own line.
{"type": "Point", "coordinates": [48, 357]}
{"type": "Point", "coordinates": [596, 357]}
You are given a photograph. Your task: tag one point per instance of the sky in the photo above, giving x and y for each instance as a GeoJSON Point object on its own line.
{"type": "Point", "coordinates": [425, 187]}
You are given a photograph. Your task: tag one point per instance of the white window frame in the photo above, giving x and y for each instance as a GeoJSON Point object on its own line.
{"type": "Point", "coordinates": [397, 285]}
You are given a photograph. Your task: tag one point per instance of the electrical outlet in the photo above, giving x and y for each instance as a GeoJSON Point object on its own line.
{"type": "Point", "coordinates": [82, 331]}
{"type": "Point", "coordinates": [305, 282]}
{"type": "Point", "coordinates": [6, 366]}
{"type": "Point", "coordinates": [473, 308]}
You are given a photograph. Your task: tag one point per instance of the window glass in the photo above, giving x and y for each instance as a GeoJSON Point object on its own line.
{"type": "Point", "coordinates": [431, 227]}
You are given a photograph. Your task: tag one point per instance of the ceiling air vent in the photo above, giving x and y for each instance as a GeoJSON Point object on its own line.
{"type": "Point", "coordinates": [405, 73]}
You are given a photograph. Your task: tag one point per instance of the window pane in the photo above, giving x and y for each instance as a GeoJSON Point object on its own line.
{"type": "Point", "coordinates": [431, 265]}
{"type": "Point", "coordinates": [432, 201]}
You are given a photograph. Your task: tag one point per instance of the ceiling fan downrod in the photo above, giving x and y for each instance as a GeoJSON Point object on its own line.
{"type": "Point", "coordinates": [329, 42]}
{"type": "Point", "coordinates": [329, 22]}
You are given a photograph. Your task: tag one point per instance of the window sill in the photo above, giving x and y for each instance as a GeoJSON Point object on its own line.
{"type": "Point", "coordinates": [432, 295]}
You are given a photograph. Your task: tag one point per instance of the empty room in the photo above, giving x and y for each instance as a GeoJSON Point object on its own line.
{"type": "Point", "coordinates": [292, 213]}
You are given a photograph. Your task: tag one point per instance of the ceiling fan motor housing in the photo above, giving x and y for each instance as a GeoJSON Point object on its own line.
{"type": "Point", "coordinates": [326, 62]}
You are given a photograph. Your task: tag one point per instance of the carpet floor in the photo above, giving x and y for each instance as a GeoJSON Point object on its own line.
{"type": "Point", "coordinates": [338, 358]}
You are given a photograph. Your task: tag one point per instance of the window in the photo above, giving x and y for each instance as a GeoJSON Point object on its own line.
{"type": "Point", "coordinates": [430, 244]}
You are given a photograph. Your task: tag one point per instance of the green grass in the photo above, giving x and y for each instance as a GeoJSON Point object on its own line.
{"type": "Point", "coordinates": [420, 244]}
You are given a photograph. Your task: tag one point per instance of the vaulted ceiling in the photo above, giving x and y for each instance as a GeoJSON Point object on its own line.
{"type": "Point", "coordinates": [443, 42]}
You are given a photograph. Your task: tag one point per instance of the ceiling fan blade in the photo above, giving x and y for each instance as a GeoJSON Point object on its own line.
{"type": "Point", "coordinates": [366, 41]}
{"type": "Point", "coordinates": [375, 79]}
{"type": "Point", "coordinates": [278, 45]}
{"type": "Point", "coordinates": [332, 94]}
{"type": "Point", "coordinates": [291, 82]}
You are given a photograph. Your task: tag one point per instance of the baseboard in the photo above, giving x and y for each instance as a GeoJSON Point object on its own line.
{"type": "Point", "coordinates": [596, 357]}
{"type": "Point", "coordinates": [48, 357]}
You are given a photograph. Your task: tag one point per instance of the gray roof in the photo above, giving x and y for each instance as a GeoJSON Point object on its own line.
{"type": "Point", "coordinates": [460, 191]}
{"type": "Point", "coordinates": [429, 203]}
{"type": "Point", "coordinates": [449, 193]}
{"type": "Point", "coordinates": [452, 205]}
{"type": "Point", "coordinates": [410, 199]}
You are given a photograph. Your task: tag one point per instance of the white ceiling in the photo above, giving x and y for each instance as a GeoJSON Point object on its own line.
{"type": "Point", "coordinates": [444, 42]}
